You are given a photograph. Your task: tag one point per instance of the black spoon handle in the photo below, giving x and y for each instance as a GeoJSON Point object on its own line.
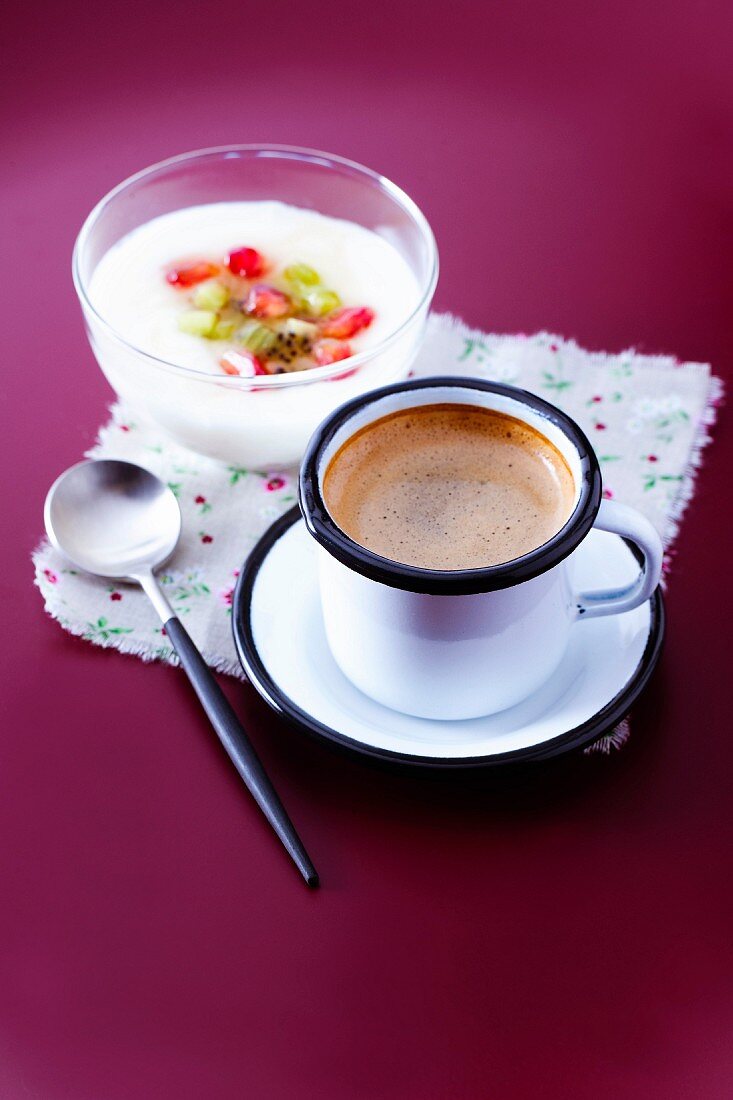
{"type": "Point", "coordinates": [238, 746]}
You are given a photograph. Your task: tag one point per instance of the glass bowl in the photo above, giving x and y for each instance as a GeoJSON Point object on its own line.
{"type": "Point", "coordinates": [266, 421]}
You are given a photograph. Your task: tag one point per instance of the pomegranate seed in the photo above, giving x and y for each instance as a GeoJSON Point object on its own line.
{"type": "Point", "coordinates": [184, 277]}
{"type": "Point", "coordinates": [242, 363]}
{"type": "Point", "coordinates": [266, 301]}
{"type": "Point", "coordinates": [247, 262]}
{"type": "Point", "coordinates": [347, 322]}
{"type": "Point", "coordinates": [330, 351]}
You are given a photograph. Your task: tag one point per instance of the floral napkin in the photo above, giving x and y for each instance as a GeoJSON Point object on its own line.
{"type": "Point", "coordinates": [647, 416]}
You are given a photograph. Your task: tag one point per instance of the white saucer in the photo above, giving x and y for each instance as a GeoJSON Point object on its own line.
{"type": "Point", "coordinates": [278, 631]}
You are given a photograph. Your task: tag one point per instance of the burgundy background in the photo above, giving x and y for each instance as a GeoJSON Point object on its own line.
{"type": "Point", "coordinates": [566, 934]}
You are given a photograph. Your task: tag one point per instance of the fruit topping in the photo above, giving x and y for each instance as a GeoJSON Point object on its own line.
{"type": "Point", "coordinates": [317, 301]}
{"type": "Point", "coordinates": [242, 363]}
{"type": "Point", "coordinates": [210, 295]}
{"type": "Point", "coordinates": [223, 330]}
{"type": "Point", "coordinates": [294, 343]}
{"type": "Point", "coordinates": [294, 326]}
{"type": "Point", "coordinates": [258, 338]}
{"type": "Point", "coordinates": [197, 322]}
{"type": "Point", "coordinates": [330, 351]}
{"type": "Point", "coordinates": [301, 275]}
{"type": "Point", "coordinates": [247, 262]}
{"type": "Point", "coordinates": [184, 277]}
{"type": "Point", "coordinates": [347, 322]}
{"type": "Point", "coordinates": [291, 323]}
{"type": "Point", "coordinates": [267, 301]}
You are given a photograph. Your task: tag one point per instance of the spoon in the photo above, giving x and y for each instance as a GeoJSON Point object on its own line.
{"type": "Point", "coordinates": [117, 520]}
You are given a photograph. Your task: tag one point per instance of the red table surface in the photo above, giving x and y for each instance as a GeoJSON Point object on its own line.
{"type": "Point", "coordinates": [562, 934]}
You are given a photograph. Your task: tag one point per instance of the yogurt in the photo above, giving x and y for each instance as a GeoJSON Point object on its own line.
{"type": "Point", "coordinates": [129, 290]}
{"type": "Point", "coordinates": [133, 327]}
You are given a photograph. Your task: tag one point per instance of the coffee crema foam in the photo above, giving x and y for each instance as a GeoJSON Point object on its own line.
{"type": "Point", "coordinates": [449, 486]}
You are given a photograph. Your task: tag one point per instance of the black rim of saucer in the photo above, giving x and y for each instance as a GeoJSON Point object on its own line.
{"type": "Point", "coordinates": [606, 719]}
{"type": "Point", "coordinates": [456, 581]}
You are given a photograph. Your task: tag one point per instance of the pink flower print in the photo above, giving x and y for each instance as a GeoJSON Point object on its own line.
{"type": "Point", "coordinates": [274, 484]}
{"type": "Point", "coordinates": [554, 347]}
{"type": "Point", "coordinates": [227, 595]}
{"type": "Point", "coordinates": [596, 398]}
{"type": "Point", "coordinates": [115, 595]}
{"type": "Point", "coordinates": [50, 576]}
{"type": "Point", "coordinates": [607, 494]}
{"type": "Point", "coordinates": [124, 427]}
{"type": "Point", "coordinates": [652, 458]}
{"type": "Point", "coordinates": [600, 427]}
{"type": "Point", "coordinates": [199, 499]}
{"type": "Point", "coordinates": [205, 538]}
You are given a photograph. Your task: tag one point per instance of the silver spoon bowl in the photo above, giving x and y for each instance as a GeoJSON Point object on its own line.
{"type": "Point", "coordinates": [118, 520]}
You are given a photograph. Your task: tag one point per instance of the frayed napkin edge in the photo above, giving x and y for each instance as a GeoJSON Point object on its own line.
{"type": "Point", "coordinates": [714, 399]}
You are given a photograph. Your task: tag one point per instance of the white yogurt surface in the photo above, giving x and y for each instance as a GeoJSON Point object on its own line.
{"type": "Point", "coordinates": [129, 290]}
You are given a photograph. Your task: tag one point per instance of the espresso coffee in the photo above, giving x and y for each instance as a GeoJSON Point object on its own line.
{"type": "Point", "coordinates": [449, 486]}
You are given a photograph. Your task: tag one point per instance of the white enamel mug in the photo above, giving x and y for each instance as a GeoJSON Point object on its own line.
{"type": "Point", "coordinates": [451, 644]}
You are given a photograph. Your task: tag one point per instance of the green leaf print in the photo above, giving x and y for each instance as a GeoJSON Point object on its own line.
{"type": "Point", "coordinates": [651, 480]}
{"type": "Point", "coordinates": [474, 349]}
{"type": "Point", "coordinates": [102, 630]}
{"type": "Point", "coordinates": [237, 474]}
{"type": "Point", "coordinates": [555, 381]}
{"type": "Point", "coordinates": [182, 588]}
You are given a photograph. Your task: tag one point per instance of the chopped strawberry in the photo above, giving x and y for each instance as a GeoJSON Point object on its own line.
{"type": "Point", "coordinates": [267, 301]}
{"type": "Point", "coordinates": [347, 322]}
{"type": "Point", "coordinates": [330, 351]}
{"type": "Point", "coordinates": [242, 363]}
{"type": "Point", "coordinates": [184, 277]}
{"type": "Point", "coordinates": [247, 262]}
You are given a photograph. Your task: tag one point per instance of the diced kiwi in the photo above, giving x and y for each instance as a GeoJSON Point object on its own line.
{"type": "Point", "coordinates": [210, 295]}
{"type": "Point", "coordinates": [293, 326]}
{"type": "Point", "coordinates": [259, 339]}
{"type": "Point", "coordinates": [223, 330]}
{"type": "Point", "coordinates": [318, 301]}
{"type": "Point", "coordinates": [197, 322]}
{"type": "Point", "coordinates": [301, 275]}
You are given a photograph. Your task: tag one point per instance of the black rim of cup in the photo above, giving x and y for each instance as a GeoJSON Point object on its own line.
{"type": "Point", "coordinates": [454, 582]}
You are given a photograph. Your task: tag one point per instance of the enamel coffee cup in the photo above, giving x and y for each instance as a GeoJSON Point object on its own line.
{"type": "Point", "coordinates": [453, 644]}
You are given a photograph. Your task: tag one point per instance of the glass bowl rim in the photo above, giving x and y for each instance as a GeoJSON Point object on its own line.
{"type": "Point", "coordinates": [286, 152]}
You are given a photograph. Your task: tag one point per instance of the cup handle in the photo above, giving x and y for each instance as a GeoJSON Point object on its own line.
{"type": "Point", "coordinates": [631, 525]}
